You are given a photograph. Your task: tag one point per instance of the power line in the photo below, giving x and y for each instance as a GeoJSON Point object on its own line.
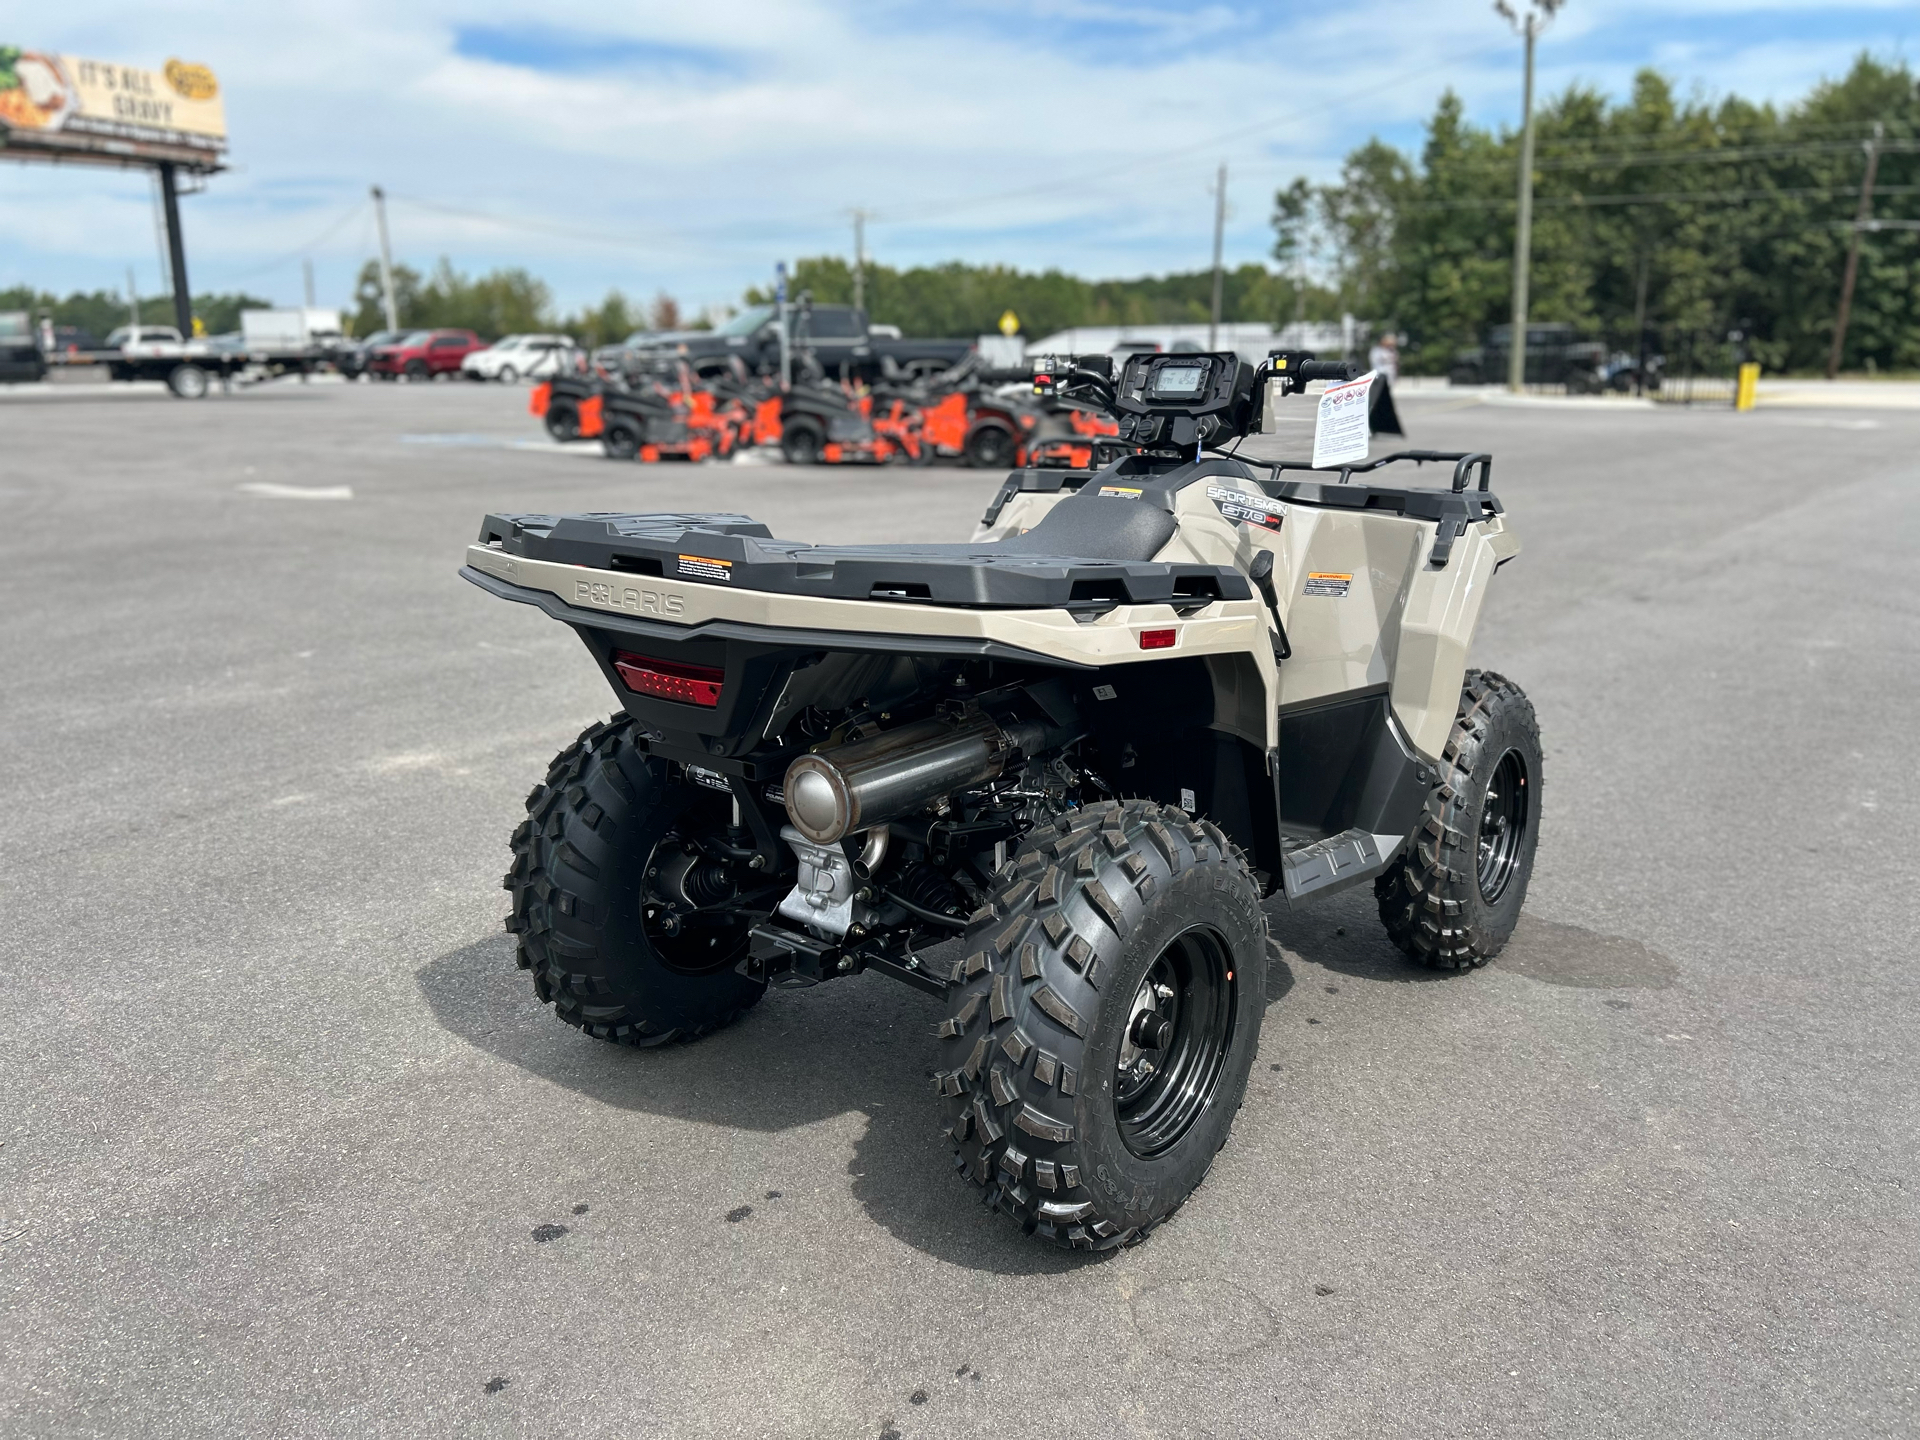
{"type": "Point", "coordinates": [1630, 159]}
{"type": "Point", "coordinates": [1666, 197]}
{"type": "Point", "coordinates": [333, 228]}
{"type": "Point", "coordinates": [1137, 163]}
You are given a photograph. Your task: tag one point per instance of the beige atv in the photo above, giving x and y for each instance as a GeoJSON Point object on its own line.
{"type": "Point", "coordinates": [1085, 745]}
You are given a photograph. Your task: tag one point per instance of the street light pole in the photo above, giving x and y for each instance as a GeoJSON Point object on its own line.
{"type": "Point", "coordinates": [1219, 234]}
{"type": "Point", "coordinates": [859, 259]}
{"type": "Point", "coordinates": [1538, 12]}
{"type": "Point", "coordinates": [386, 259]}
{"type": "Point", "coordinates": [1861, 222]}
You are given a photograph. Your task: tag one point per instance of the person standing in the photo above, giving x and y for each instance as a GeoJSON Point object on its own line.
{"type": "Point", "coordinates": [1384, 357]}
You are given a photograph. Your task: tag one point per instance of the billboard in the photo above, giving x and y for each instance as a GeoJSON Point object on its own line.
{"type": "Point", "coordinates": [69, 105]}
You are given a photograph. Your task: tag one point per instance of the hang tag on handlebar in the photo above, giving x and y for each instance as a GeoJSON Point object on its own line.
{"type": "Point", "coordinates": [1340, 431]}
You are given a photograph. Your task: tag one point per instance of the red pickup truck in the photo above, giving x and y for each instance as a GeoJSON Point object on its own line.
{"type": "Point", "coordinates": [424, 354]}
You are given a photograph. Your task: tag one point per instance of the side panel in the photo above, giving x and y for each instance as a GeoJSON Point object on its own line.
{"type": "Point", "coordinates": [1363, 607]}
{"type": "Point", "coordinates": [1436, 630]}
{"type": "Point", "coordinates": [1343, 579]}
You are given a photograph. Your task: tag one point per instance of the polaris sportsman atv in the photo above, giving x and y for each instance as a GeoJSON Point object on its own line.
{"type": "Point", "coordinates": [1084, 745]}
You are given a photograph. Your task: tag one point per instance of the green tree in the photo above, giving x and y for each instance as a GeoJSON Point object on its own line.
{"type": "Point", "coordinates": [1688, 216]}
{"type": "Point", "coordinates": [370, 314]}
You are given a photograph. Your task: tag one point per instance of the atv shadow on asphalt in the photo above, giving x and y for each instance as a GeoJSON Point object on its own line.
{"type": "Point", "coordinates": [1344, 933]}
{"type": "Point", "coordinates": [798, 1058]}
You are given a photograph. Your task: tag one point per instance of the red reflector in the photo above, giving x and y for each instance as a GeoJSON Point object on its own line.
{"type": "Point", "coordinates": [669, 679]}
{"type": "Point", "coordinates": [1156, 639]}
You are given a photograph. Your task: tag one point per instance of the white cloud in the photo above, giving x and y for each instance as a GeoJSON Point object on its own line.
{"type": "Point", "coordinates": [988, 129]}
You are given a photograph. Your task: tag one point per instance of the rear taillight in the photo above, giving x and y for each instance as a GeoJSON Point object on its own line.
{"type": "Point", "coordinates": [670, 679]}
{"type": "Point", "coordinates": [1156, 639]}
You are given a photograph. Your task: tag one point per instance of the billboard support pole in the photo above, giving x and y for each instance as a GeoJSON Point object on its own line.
{"type": "Point", "coordinates": [176, 251]}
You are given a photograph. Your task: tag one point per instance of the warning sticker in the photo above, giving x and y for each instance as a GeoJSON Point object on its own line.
{"type": "Point", "coordinates": [1121, 492]}
{"type": "Point", "coordinates": [1247, 509]}
{"type": "Point", "coordinates": [701, 568]}
{"type": "Point", "coordinates": [1322, 582]}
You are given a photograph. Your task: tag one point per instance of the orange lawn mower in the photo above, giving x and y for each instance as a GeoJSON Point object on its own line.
{"type": "Point", "coordinates": [571, 405]}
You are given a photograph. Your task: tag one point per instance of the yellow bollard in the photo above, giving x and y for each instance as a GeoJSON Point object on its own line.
{"type": "Point", "coordinates": [1749, 382]}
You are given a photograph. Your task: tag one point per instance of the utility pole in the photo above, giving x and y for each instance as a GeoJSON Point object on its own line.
{"type": "Point", "coordinates": [306, 275]}
{"type": "Point", "coordinates": [1219, 235]}
{"type": "Point", "coordinates": [386, 258]}
{"type": "Point", "coordinates": [1538, 13]}
{"type": "Point", "coordinates": [133, 300]}
{"type": "Point", "coordinates": [1862, 217]}
{"type": "Point", "coordinates": [859, 259]}
{"type": "Point", "coordinates": [786, 342]}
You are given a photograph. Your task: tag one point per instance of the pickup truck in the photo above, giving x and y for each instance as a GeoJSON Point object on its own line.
{"type": "Point", "coordinates": [839, 335]}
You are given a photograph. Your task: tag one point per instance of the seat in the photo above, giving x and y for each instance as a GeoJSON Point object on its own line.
{"type": "Point", "coordinates": [1097, 527]}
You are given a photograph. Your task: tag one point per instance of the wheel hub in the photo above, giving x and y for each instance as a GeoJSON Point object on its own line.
{"type": "Point", "coordinates": [1178, 1031]}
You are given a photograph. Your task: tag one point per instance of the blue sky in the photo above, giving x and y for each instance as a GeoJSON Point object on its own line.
{"type": "Point", "coordinates": [686, 148]}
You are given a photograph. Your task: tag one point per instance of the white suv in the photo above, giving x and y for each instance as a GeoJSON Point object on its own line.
{"type": "Point", "coordinates": [515, 356]}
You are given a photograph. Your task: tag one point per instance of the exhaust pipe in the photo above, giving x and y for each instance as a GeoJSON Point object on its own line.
{"type": "Point", "coordinates": [832, 793]}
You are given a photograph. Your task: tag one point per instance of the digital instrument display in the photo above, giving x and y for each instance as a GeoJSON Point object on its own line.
{"type": "Point", "coordinates": [1178, 382]}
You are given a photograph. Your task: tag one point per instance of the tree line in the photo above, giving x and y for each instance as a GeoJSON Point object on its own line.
{"type": "Point", "coordinates": [1651, 213]}
{"type": "Point", "coordinates": [1656, 212]}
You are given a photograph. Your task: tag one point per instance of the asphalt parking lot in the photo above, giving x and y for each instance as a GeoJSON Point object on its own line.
{"type": "Point", "coordinates": [284, 1128]}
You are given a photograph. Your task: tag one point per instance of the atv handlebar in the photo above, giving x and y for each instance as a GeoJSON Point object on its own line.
{"type": "Point", "coordinates": [1298, 367]}
{"type": "Point", "coordinates": [1329, 370]}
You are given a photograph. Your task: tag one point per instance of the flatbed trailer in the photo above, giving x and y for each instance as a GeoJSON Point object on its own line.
{"type": "Point", "coordinates": [189, 367]}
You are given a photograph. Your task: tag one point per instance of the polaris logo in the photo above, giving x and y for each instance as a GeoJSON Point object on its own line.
{"type": "Point", "coordinates": [628, 597]}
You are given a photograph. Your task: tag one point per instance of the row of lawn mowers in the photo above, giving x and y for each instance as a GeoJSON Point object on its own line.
{"type": "Point", "coordinates": [663, 409]}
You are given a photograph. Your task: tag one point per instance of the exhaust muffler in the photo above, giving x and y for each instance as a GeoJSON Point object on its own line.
{"type": "Point", "coordinates": [832, 793]}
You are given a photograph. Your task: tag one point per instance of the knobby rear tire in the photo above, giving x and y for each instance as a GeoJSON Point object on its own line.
{"type": "Point", "coordinates": [577, 881]}
{"type": "Point", "coordinates": [1031, 1043]}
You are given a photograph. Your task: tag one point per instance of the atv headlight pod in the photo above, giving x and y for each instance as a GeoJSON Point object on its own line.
{"type": "Point", "coordinates": [834, 792]}
{"type": "Point", "coordinates": [669, 679]}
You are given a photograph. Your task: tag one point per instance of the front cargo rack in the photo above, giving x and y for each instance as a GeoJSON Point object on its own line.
{"type": "Point", "coordinates": [1452, 509]}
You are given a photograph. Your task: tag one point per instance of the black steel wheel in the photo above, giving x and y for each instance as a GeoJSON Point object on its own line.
{"type": "Point", "coordinates": [1101, 1027]}
{"type": "Point", "coordinates": [1503, 826]}
{"type": "Point", "coordinates": [1453, 896]}
{"type": "Point", "coordinates": [1177, 1040]}
{"type": "Point", "coordinates": [563, 421]}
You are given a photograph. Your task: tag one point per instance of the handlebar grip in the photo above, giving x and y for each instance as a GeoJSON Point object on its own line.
{"type": "Point", "coordinates": [1328, 370]}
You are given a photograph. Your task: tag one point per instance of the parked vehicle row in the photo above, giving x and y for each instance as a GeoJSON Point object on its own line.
{"type": "Point", "coordinates": [844, 344]}
{"type": "Point", "coordinates": [838, 341]}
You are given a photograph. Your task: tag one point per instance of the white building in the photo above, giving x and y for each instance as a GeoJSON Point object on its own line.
{"type": "Point", "coordinates": [1329, 339]}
